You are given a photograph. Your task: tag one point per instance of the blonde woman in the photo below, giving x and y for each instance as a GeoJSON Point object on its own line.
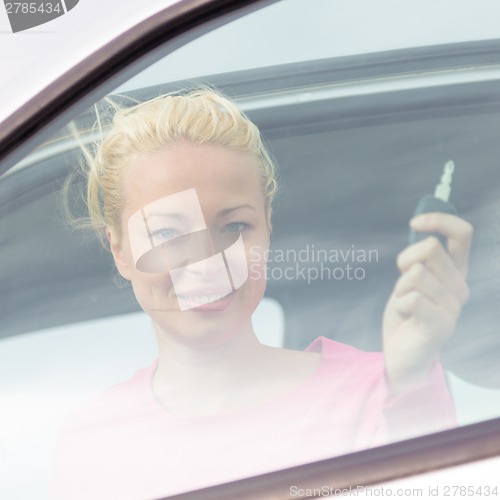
{"type": "Point", "coordinates": [182, 187]}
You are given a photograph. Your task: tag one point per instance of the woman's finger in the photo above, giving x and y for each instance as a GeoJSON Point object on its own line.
{"type": "Point", "coordinates": [458, 232]}
{"type": "Point", "coordinates": [419, 279]}
{"type": "Point", "coordinates": [433, 319]}
{"type": "Point", "coordinates": [437, 260]}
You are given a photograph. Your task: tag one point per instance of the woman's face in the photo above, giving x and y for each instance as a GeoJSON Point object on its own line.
{"type": "Point", "coordinates": [193, 240]}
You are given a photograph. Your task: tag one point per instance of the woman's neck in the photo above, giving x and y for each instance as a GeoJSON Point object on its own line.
{"type": "Point", "coordinates": [196, 378]}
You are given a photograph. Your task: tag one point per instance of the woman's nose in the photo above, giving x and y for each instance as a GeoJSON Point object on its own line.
{"type": "Point", "coordinates": [205, 244]}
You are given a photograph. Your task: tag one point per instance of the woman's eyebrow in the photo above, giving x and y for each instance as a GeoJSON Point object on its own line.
{"type": "Point", "coordinates": [225, 211]}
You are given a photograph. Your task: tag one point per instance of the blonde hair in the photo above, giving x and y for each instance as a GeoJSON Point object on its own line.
{"type": "Point", "coordinates": [201, 116]}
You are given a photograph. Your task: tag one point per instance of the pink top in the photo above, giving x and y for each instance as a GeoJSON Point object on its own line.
{"type": "Point", "coordinates": [124, 445]}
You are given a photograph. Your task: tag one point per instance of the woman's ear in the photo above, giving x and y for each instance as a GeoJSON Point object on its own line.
{"type": "Point", "coordinates": [121, 262]}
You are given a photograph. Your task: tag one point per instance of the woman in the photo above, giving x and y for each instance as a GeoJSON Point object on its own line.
{"type": "Point", "coordinates": [182, 187]}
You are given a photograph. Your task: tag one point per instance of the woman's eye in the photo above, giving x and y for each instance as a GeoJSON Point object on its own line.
{"type": "Point", "coordinates": [166, 233]}
{"type": "Point", "coordinates": [236, 227]}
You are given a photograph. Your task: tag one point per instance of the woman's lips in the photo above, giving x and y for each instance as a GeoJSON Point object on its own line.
{"type": "Point", "coordinates": [207, 301]}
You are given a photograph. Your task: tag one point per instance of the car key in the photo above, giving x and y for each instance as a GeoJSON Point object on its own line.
{"type": "Point", "coordinates": [436, 203]}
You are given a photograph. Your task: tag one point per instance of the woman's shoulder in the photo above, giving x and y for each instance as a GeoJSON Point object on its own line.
{"type": "Point", "coordinates": [332, 349]}
{"type": "Point", "coordinates": [346, 364]}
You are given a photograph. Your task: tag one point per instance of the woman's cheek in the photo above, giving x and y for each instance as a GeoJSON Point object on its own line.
{"type": "Point", "coordinates": [154, 291]}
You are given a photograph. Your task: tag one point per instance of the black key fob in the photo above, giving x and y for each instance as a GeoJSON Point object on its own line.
{"type": "Point", "coordinates": [437, 203]}
{"type": "Point", "coordinates": [431, 204]}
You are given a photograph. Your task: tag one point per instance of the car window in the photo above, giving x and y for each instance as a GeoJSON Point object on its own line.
{"type": "Point", "coordinates": [345, 29]}
{"type": "Point", "coordinates": [361, 121]}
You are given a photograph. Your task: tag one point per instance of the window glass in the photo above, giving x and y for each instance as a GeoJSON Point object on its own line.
{"type": "Point", "coordinates": [295, 32]}
{"type": "Point", "coordinates": [361, 119]}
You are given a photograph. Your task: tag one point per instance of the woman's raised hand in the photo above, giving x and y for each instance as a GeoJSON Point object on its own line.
{"type": "Point", "coordinates": [427, 300]}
